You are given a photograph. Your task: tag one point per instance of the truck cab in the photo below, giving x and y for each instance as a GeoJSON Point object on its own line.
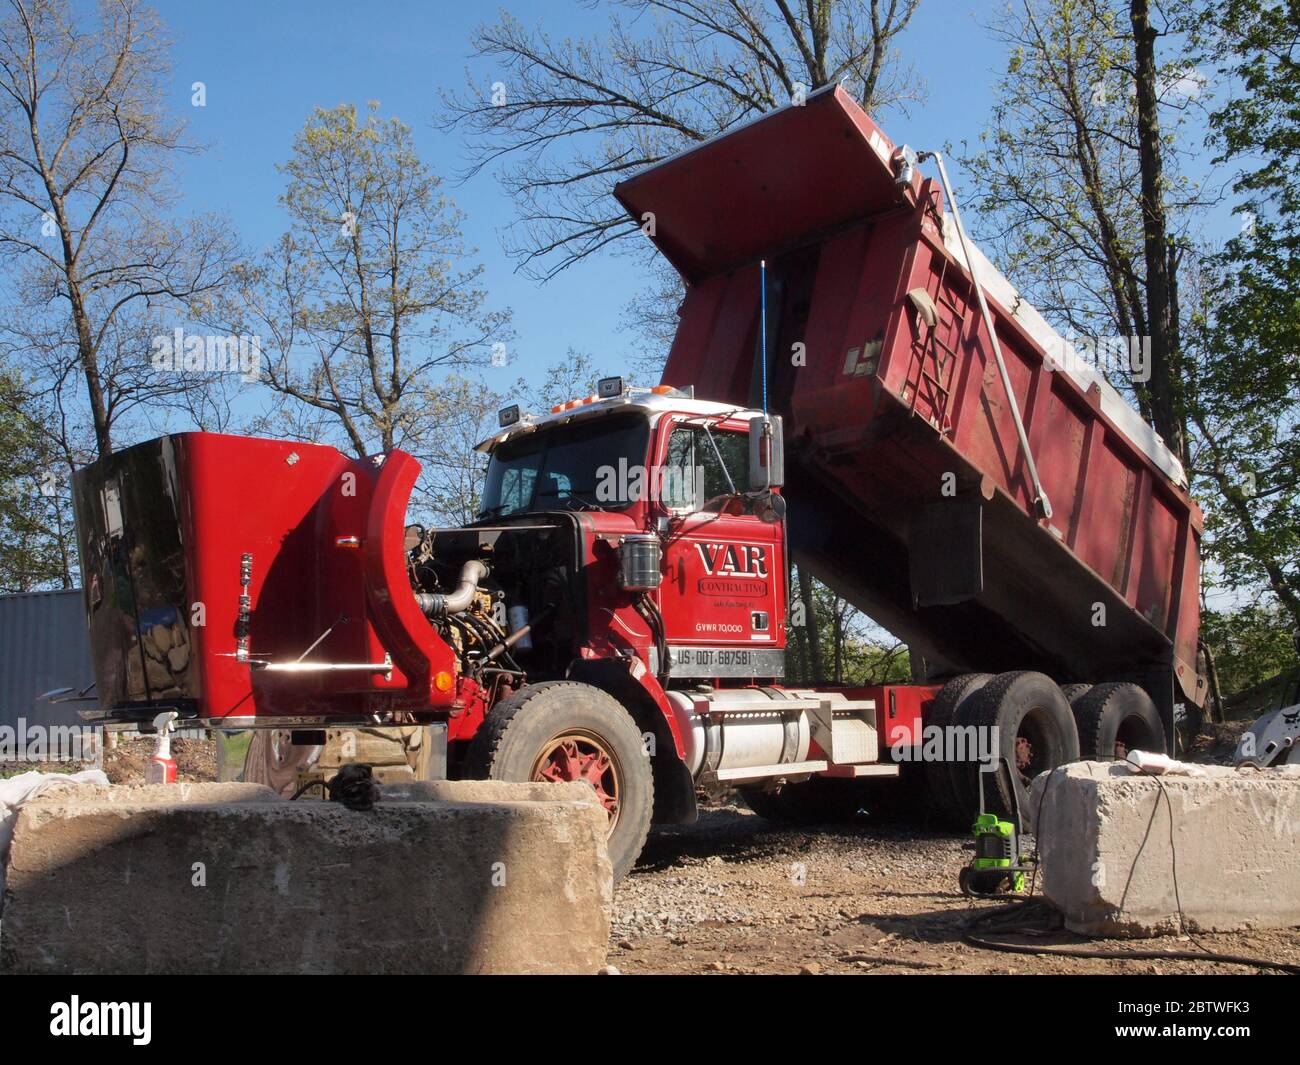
{"type": "Point", "coordinates": [627, 621]}
{"type": "Point", "coordinates": [654, 463]}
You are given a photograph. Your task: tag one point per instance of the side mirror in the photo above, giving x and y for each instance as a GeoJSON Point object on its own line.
{"type": "Point", "coordinates": [771, 508]}
{"type": "Point", "coordinates": [766, 454]}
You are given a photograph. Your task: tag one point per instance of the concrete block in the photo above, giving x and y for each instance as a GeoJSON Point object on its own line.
{"type": "Point", "coordinates": [1107, 852]}
{"type": "Point", "coordinates": [485, 791]}
{"type": "Point", "coordinates": [230, 878]}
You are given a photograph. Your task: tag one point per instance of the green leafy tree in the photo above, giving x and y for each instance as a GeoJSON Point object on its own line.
{"type": "Point", "coordinates": [37, 543]}
{"type": "Point", "coordinates": [1079, 182]}
{"type": "Point", "coordinates": [1249, 417]}
{"type": "Point", "coordinates": [1252, 645]}
{"type": "Point", "coordinates": [833, 642]}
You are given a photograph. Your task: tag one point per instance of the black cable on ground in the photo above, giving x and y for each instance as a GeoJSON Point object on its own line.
{"type": "Point", "coordinates": [988, 917]}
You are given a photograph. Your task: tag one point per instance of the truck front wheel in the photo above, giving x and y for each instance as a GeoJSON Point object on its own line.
{"type": "Point", "coordinates": [561, 731]}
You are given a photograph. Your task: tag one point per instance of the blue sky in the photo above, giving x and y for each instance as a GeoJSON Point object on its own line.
{"type": "Point", "coordinates": [266, 65]}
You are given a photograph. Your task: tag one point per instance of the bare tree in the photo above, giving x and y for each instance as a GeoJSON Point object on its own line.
{"type": "Point", "coordinates": [573, 377]}
{"type": "Point", "coordinates": [451, 489]}
{"type": "Point", "coordinates": [85, 198]}
{"type": "Point", "coordinates": [362, 304]}
{"type": "Point", "coordinates": [570, 118]}
{"type": "Point", "coordinates": [1168, 412]}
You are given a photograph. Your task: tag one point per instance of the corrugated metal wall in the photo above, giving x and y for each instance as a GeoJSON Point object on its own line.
{"type": "Point", "coordinates": [43, 645]}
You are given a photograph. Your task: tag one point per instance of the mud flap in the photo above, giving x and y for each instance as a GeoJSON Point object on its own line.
{"type": "Point", "coordinates": [946, 553]}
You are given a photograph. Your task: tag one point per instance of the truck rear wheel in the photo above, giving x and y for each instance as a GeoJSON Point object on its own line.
{"type": "Point", "coordinates": [943, 778]}
{"type": "Point", "coordinates": [1074, 692]}
{"type": "Point", "coordinates": [1035, 733]}
{"type": "Point", "coordinates": [1116, 718]}
{"type": "Point", "coordinates": [562, 731]}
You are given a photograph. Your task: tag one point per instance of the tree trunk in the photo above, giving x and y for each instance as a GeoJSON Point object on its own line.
{"type": "Point", "coordinates": [810, 627]}
{"type": "Point", "coordinates": [1165, 385]}
{"type": "Point", "coordinates": [837, 621]}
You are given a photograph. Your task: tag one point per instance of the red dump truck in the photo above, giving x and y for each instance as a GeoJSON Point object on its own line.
{"type": "Point", "coordinates": [619, 611]}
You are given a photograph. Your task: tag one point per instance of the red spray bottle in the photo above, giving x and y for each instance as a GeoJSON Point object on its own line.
{"type": "Point", "coordinates": [162, 766]}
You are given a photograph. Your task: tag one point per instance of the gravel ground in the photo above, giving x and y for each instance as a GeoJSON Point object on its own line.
{"type": "Point", "coordinates": [736, 894]}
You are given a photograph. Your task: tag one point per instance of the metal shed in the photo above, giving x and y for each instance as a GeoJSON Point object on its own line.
{"type": "Point", "coordinates": [43, 645]}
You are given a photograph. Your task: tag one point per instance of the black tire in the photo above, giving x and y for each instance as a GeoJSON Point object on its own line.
{"type": "Point", "coordinates": [1074, 692]}
{"type": "Point", "coordinates": [1116, 718]}
{"type": "Point", "coordinates": [519, 741]}
{"type": "Point", "coordinates": [1036, 733]}
{"type": "Point", "coordinates": [946, 799]}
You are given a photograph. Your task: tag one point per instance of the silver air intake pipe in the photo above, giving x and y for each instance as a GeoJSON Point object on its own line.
{"type": "Point", "coordinates": [437, 605]}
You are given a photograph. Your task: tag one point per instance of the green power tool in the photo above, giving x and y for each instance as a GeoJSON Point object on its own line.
{"type": "Point", "coordinates": [998, 867]}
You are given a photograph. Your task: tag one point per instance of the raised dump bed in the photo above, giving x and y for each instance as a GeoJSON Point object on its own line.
{"type": "Point", "coordinates": [909, 492]}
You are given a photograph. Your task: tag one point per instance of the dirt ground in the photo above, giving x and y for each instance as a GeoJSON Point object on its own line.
{"type": "Point", "coordinates": [196, 760]}
{"type": "Point", "coordinates": [735, 894]}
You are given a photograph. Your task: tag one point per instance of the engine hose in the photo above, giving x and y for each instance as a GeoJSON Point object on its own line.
{"type": "Point", "coordinates": [436, 604]}
{"type": "Point", "coordinates": [491, 637]}
{"type": "Point", "coordinates": [647, 609]}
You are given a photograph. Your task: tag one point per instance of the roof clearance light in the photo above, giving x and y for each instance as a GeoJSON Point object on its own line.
{"type": "Point", "coordinates": [508, 415]}
{"type": "Point", "coordinates": [661, 390]}
{"type": "Point", "coordinates": [609, 387]}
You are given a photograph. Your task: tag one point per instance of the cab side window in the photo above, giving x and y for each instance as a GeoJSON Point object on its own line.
{"type": "Point", "coordinates": [694, 479]}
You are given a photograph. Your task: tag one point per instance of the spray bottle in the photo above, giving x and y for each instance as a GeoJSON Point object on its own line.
{"type": "Point", "coordinates": [162, 766]}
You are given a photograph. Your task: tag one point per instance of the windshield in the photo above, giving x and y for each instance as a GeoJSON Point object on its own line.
{"type": "Point", "coordinates": [565, 467]}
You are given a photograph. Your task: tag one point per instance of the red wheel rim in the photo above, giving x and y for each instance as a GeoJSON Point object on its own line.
{"type": "Point", "coordinates": [586, 757]}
